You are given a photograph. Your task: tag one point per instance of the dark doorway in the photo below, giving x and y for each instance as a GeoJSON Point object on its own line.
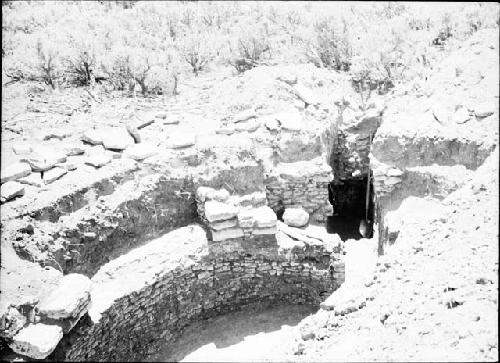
{"type": "Point", "coordinates": [348, 198]}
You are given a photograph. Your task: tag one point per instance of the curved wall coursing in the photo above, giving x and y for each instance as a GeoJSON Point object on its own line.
{"type": "Point", "coordinates": [221, 277]}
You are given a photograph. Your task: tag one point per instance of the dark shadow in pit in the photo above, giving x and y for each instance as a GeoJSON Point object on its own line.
{"type": "Point", "coordinates": [348, 198]}
{"type": "Point", "coordinates": [232, 328]}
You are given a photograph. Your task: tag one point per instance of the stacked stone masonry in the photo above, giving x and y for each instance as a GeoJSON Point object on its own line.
{"type": "Point", "coordinates": [230, 217]}
{"type": "Point", "coordinates": [214, 281]}
{"type": "Point", "coordinates": [301, 184]}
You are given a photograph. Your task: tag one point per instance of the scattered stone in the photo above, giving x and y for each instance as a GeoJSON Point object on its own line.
{"type": "Point", "coordinates": [42, 159]}
{"type": "Point", "coordinates": [118, 139]}
{"type": "Point", "coordinates": [141, 151]}
{"type": "Point", "coordinates": [37, 340]}
{"type": "Point", "coordinates": [171, 121]}
{"type": "Point", "coordinates": [440, 114]}
{"type": "Point", "coordinates": [55, 134]}
{"type": "Point", "coordinates": [98, 160]}
{"type": "Point", "coordinates": [15, 171]}
{"type": "Point", "coordinates": [73, 149]}
{"type": "Point", "coordinates": [21, 149]}
{"type": "Point", "coordinates": [10, 190]}
{"type": "Point", "coordinates": [53, 174]}
{"type": "Point", "coordinates": [68, 299]}
{"type": "Point", "coordinates": [69, 166]}
{"type": "Point", "coordinates": [93, 136]}
{"type": "Point", "coordinates": [461, 116]}
{"type": "Point", "coordinates": [272, 124]}
{"type": "Point", "coordinates": [217, 211]}
{"type": "Point", "coordinates": [34, 179]}
{"type": "Point", "coordinates": [161, 115]}
{"type": "Point", "coordinates": [228, 233]}
{"type": "Point", "coordinates": [244, 115]}
{"type": "Point", "coordinates": [484, 109]}
{"type": "Point", "coordinates": [306, 94]}
{"type": "Point", "coordinates": [295, 217]}
{"type": "Point", "coordinates": [181, 140]}
{"type": "Point", "coordinates": [248, 126]}
{"type": "Point", "coordinates": [134, 132]}
{"type": "Point", "coordinates": [227, 130]}
{"type": "Point", "coordinates": [291, 121]}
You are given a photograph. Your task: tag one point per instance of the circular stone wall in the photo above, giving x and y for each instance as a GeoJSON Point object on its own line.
{"type": "Point", "coordinates": [134, 316]}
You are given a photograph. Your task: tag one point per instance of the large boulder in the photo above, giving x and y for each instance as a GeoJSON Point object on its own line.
{"type": "Point", "coordinates": [15, 171]}
{"type": "Point", "coordinates": [37, 340]}
{"type": "Point", "coordinates": [295, 217]}
{"type": "Point", "coordinates": [68, 299]}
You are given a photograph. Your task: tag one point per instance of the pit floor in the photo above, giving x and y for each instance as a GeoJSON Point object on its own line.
{"type": "Point", "coordinates": [249, 335]}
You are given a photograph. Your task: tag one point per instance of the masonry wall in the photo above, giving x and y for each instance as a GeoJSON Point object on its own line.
{"type": "Point", "coordinates": [140, 324]}
{"type": "Point", "coordinates": [310, 193]}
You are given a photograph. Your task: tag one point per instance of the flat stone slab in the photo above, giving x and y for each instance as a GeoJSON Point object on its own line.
{"type": "Point", "coordinates": [68, 299]}
{"type": "Point", "coordinates": [54, 174]}
{"type": "Point", "coordinates": [244, 116]}
{"type": "Point", "coordinates": [34, 179]}
{"type": "Point", "coordinates": [295, 217]}
{"type": "Point", "coordinates": [217, 211]}
{"type": "Point", "coordinates": [15, 171]}
{"type": "Point", "coordinates": [22, 149]}
{"type": "Point", "coordinates": [73, 149]}
{"type": "Point", "coordinates": [248, 126]}
{"type": "Point", "coordinates": [291, 121]}
{"type": "Point", "coordinates": [43, 159]}
{"type": "Point", "coordinates": [117, 139]}
{"type": "Point", "coordinates": [98, 160]}
{"type": "Point", "coordinates": [10, 190]}
{"type": "Point", "coordinates": [306, 94]}
{"type": "Point", "coordinates": [228, 130]}
{"type": "Point", "coordinates": [181, 140]}
{"type": "Point", "coordinates": [93, 136]}
{"type": "Point", "coordinates": [217, 226]}
{"type": "Point", "coordinates": [228, 233]}
{"type": "Point", "coordinates": [141, 151]}
{"type": "Point", "coordinates": [37, 340]}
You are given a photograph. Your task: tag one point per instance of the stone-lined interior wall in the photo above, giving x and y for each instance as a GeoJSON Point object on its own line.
{"type": "Point", "coordinates": [98, 235]}
{"type": "Point", "coordinates": [301, 184]}
{"type": "Point", "coordinates": [137, 325]}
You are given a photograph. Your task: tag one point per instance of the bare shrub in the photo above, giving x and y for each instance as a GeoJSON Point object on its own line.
{"type": "Point", "coordinates": [331, 46]}
{"type": "Point", "coordinates": [251, 50]}
{"type": "Point", "coordinates": [197, 50]}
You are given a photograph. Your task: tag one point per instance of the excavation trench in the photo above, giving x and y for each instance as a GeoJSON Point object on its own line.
{"type": "Point", "coordinates": [142, 301]}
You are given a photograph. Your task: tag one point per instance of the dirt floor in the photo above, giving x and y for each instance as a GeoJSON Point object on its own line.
{"type": "Point", "coordinates": [251, 335]}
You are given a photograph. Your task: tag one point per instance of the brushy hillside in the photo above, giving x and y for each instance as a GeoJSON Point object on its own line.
{"type": "Point", "coordinates": [152, 46]}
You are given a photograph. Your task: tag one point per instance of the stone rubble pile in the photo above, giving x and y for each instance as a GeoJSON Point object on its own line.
{"type": "Point", "coordinates": [229, 217]}
{"type": "Point", "coordinates": [35, 328]}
